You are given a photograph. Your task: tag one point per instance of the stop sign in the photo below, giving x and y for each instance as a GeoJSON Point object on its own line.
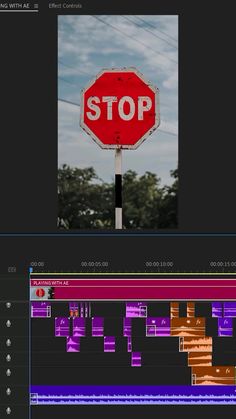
{"type": "Point", "coordinates": [119, 108]}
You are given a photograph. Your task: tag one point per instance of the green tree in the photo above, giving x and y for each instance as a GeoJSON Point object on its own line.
{"type": "Point", "coordinates": [85, 201]}
{"type": "Point", "coordinates": [142, 199]}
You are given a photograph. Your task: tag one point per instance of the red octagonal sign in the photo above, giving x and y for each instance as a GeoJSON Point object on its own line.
{"type": "Point", "coordinates": [119, 108]}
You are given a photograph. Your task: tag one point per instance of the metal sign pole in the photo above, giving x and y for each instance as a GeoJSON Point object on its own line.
{"type": "Point", "coordinates": [118, 188]}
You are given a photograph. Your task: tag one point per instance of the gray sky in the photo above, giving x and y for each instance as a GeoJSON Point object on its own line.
{"type": "Point", "coordinates": [85, 46]}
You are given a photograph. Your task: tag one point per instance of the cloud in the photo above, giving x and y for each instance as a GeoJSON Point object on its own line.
{"type": "Point", "coordinates": [172, 81]}
{"type": "Point", "coordinates": [85, 46]}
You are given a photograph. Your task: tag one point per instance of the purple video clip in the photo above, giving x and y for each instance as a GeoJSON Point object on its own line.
{"type": "Point", "coordinates": [78, 327]}
{"type": "Point", "coordinates": [129, 344]}
{"type": "Point", "coordinates": [136, 359]}
{"type": "Point", "coordinates": [62, 326]}
{"type": "Point", "coordinates": [230, 309]}
{"type": "Point", "coordinates": [225, 327]}
{"type": "Point", "coordinates": [217, 309]}
{"type": "Point", "coordinates": [97, 326]}
{"type": "Point", "coordinates": [127, 326]}
{"type": "Point", "coordinates": [109, 344]}
{"type": "Point", "coordinates": [136, 309]}
{"type": "Point", "coordinates": [40, 309]}
{"type": "Point", "coordinates": [72, 344]}
{"type": "Point", "coordinates": [158, 326]}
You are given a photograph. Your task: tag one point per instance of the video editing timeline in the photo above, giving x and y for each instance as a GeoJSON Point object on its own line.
{"type": "Point", "coordinates": [95, 339]}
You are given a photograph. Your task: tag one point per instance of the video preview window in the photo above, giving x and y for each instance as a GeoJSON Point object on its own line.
{"type": "Point", "coordinates": [117, 122]}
